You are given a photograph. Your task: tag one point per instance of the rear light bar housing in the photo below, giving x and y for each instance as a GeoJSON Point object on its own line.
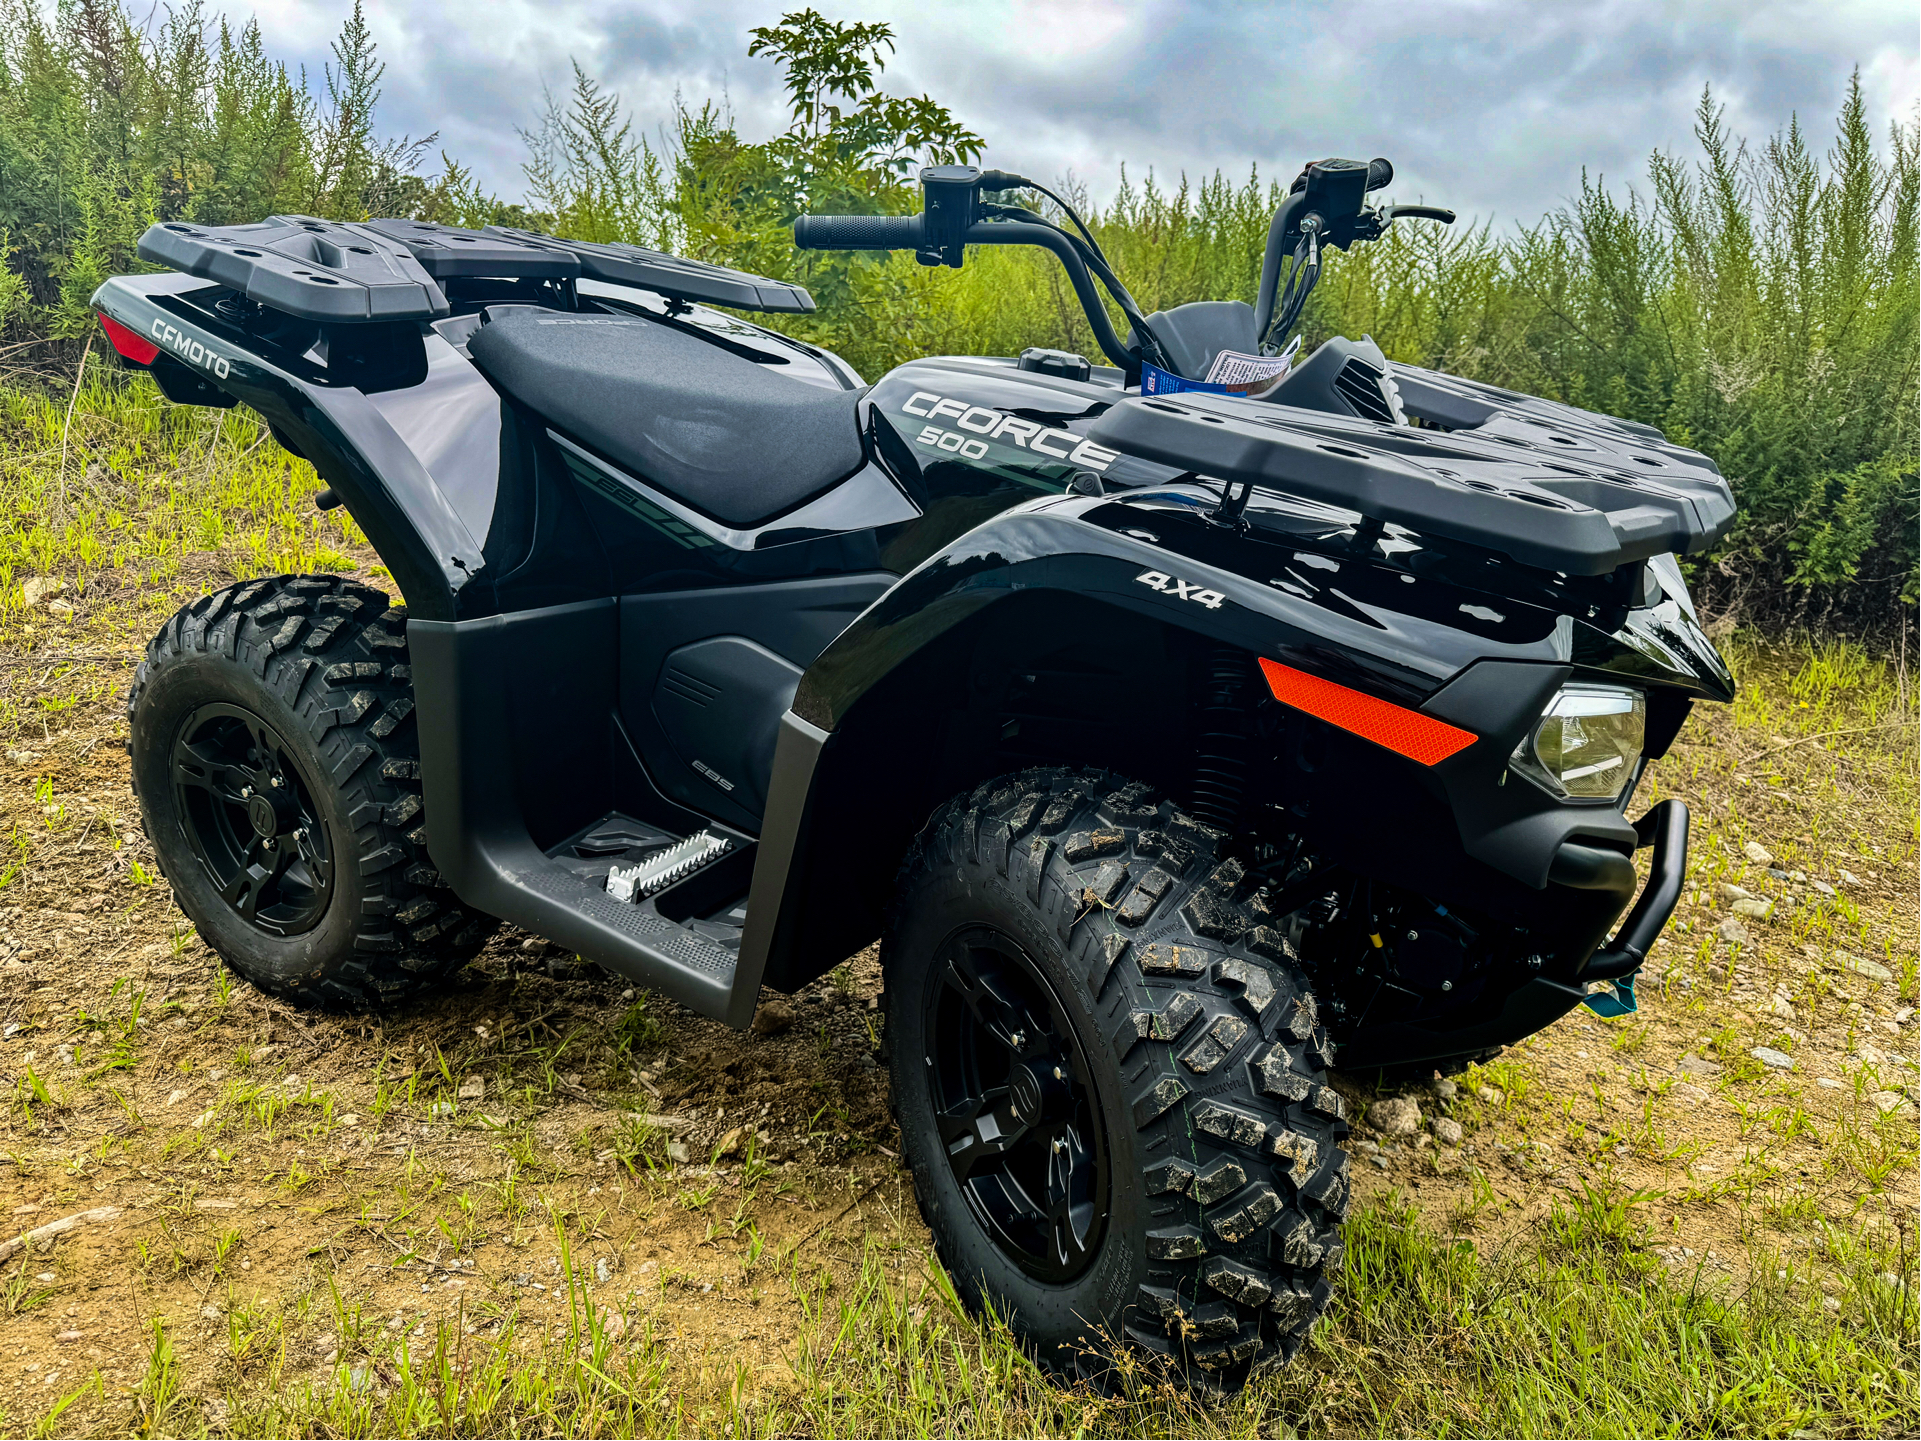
{"type": "Point", "coordinates": [131, 347]}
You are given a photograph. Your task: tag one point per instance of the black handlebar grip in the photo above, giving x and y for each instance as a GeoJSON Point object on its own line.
{"type": "Point", "coordinates": [858, 232]}
{"type": "Point", "coordinates": [1379, 172]}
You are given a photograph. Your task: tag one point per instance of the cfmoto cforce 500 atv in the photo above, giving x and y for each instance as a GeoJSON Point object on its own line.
{"type": "Point", "coordinates": [1175, 744]}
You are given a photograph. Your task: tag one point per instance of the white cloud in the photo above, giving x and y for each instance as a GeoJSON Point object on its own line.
{"type": "Point", "coordinates": [1493, 106]}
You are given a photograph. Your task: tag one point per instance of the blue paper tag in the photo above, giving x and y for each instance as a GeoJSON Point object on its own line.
{"type": "Point", "coordinates": [1155, 381]}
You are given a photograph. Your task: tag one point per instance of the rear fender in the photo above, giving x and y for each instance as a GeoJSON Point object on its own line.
{"type": "Point", "coordinates": [351, 440]}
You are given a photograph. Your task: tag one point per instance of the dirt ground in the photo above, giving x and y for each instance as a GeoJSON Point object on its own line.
{"type": "Point", "coordinates": [272, 1194]}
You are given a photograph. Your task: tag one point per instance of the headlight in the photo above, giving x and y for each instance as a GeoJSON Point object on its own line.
{"type": "Point", "coordinates": [1587, 743]}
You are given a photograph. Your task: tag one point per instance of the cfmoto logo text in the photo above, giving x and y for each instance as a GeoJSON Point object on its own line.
{"type": "Point", "coordinates": [187, 348]}
{"type": "Point", "coordinates": [1180, 589]}
{"type": "Point", "coordinates": [977, 425]}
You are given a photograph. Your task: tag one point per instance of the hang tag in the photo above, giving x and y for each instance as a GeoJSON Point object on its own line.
{"type": "Point", "coordinates": [1618, 1001]}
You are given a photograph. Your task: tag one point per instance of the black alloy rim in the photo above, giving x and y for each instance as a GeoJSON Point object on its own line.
{"type": "Point", "coordinates": [250, 819]}
{"type": "Point", "coordinates": [1016, 1107]}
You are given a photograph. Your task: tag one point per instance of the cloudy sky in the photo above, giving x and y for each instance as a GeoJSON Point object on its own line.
{"type": "Point", "coordinates": [1492, 106]}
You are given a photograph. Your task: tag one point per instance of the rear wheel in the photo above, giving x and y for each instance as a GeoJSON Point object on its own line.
{"type": "Point", "coordinates": [1110, 1080]}
{"type": "Point", "coordinates": [275, 759]}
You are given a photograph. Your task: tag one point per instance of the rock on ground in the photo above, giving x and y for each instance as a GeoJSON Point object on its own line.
{"type": "Point", "coordinates": [1873, 970]}
{"type": "Point", "coordinates": [1447, 1132]}
{"type": "Point", "coordinates": [1886, 1101]}
{"type": "Point", "coordinates": [1396, 1116]}
{"type": "Point", "coordinates": [1757, 853]}
{"type": "Point", "coordinates": [772, 1018]}
{"type": "Point", "coordinates": [1768, 1056]}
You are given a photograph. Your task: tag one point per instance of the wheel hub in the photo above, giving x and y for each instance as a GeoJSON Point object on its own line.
{"type": "Point", "coordinates": [1016, 1107]}
{"type": "Point", "coordinates": [269, 811]}
{"type": "Point", "coordinates": [250, 819]}
{"type": "Point", "coordinates": [1039, 1090]}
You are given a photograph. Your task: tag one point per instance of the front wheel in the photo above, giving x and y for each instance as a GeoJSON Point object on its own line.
{"type": "Point", "coordinates": [1110, 1081]}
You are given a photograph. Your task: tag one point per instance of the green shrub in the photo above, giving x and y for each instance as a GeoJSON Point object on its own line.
{"type": "Point", "coordinates": [1757, 303]}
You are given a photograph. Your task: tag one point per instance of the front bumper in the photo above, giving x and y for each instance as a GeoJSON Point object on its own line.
{"type": "Point", "coordinates": [1542, 1000]}
{"type": "Point", "coordinates": [1665, 827]}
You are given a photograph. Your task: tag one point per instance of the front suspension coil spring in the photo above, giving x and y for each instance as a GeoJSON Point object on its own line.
{"type": "Point", "coordinates": [1221, 739]}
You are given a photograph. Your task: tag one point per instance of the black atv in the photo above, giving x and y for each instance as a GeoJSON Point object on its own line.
{"type": "Point", "coordinates": [1174, 744]}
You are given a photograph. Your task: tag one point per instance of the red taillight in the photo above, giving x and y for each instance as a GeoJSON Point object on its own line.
{"type": "Point", "coordinates": [1405, 732]}
{"type": "Point", "coordinates": [140, 352]}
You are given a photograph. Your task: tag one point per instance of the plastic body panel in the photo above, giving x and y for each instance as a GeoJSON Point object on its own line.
{"type": "Point", "coordinates": [706, 676]}
{"type": "Point", "coordinates": [1386, 615]}
{"type": "Point", "coordinates": [477, 830]}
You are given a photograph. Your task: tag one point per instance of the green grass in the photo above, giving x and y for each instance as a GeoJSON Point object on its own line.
{"type": "Point", "coordinates": [133, 506]}
{"type": "Point", "coordinates": [130, 484]}
{"type": "Point", "coordinates": [1570, 1328]}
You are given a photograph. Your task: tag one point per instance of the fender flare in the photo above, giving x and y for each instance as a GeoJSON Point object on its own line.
{"type": "Point", "coordinates": [413, 525]}
{"type": "Point", "coordinates": [1048, 545]}
{"type": "Point", "coordinates": [1045, 546]}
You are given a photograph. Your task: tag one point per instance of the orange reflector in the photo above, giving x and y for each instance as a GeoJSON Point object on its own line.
{"type": "Point", "coordinates": [140, 352]}
{"type": "Point", "coordinates": [1405, 732]}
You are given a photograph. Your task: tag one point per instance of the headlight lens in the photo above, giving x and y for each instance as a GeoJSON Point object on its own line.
{"type": "Point", "coordinates": [1587, 743]}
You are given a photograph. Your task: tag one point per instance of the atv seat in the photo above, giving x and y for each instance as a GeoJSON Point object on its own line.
{"type": "Point", "coordinates": [731, 437]}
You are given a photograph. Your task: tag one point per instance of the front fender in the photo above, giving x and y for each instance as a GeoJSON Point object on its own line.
{"type": "Point", "coordinates": [1112, 550]}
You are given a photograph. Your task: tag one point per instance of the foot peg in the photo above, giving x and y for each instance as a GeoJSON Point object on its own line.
{"type": "Point", "coordinates": [676, 863]}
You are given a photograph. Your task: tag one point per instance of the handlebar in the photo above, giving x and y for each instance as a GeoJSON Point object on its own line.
{"type": "Point", "coordinates": [908, 232]}
{"type": "Point", "coordinates": [1325, 207]}
{"type": "Point", "coordinates": [1421, 212]}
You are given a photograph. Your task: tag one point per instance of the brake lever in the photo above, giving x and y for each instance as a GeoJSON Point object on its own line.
{"type": "Point", "coordinates": [1417, 212]}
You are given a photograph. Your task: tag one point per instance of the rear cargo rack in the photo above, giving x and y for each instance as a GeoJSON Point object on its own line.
{"type": "Point", "coordinates": [307, 268]}
{"type": "Point", "coordinates": [388, 270]}
{"type": "Point", "coordinates": [664, 274]}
